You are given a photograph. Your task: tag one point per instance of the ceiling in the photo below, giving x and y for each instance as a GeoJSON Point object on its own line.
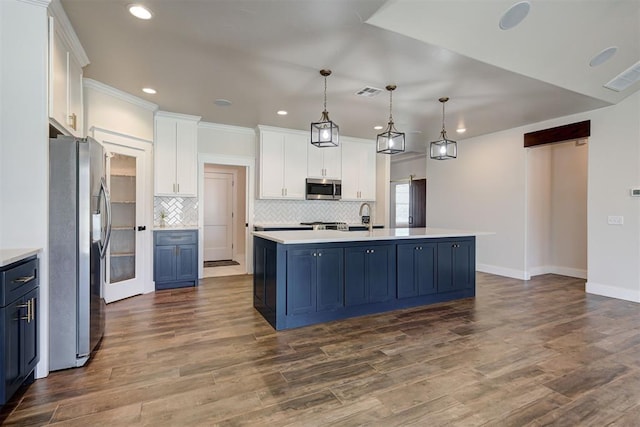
{"type": "Point", "coordinates": [265, 56]}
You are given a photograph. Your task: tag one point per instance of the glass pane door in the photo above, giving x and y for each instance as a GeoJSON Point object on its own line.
{"type": "Point", "coordinates": [122, 251]}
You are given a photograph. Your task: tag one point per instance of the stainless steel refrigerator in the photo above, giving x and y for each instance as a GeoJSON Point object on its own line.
{"type": "Point", "coordinates": [79, 231]}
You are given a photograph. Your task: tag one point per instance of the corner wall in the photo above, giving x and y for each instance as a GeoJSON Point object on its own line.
{"type": "Point", "coordinates": [484, 189]}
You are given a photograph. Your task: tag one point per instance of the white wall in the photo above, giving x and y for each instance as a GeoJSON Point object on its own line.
{"type": "Point", "coordinates": [569, 208]}
{"type": "Point", "coordinates": [24, 142]}
{"type": "Point", "coordinates": [383, 192]}
{"type": "Point", "coordinates": [226, 140]}
{"type": "Point", "coordinates": [614, 158]}
{"type": "Point", "coordinates": [484, 189]}
{"type": "Point", "coordinates": [538, 213]}
{"type": "Point", "coordinates": [416, 166]}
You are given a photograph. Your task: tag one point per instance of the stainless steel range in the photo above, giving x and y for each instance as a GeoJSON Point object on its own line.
{"type": "Point", "coordinates": [320, 225]}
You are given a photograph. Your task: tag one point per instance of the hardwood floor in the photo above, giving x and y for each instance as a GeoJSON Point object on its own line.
{"type": "Point", "coordinates": [521, 353]}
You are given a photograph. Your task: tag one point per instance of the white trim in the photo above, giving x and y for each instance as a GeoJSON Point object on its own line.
{"type": "Point", "coordinates": [220, 159]}
{"type": "Point", "coordinates": [67, 32]}
{"type": "Point", "coordinates": [177, 116]}
{"type": "Point", "coordinates": [227, 128]}
{"type": "Point", "coordinates": [94, 129]}
{"type": "Point", "coordinates": [562, 271]}
{"type": "Point", "coordinates": [117, 93]}
{"type": "Point", "coordinates": [116, 138]}
{"type": "Point", "coordinates": [502, 271]}
{"type": "Point", "coordinates": [612, 292]}
{"type": "Point", "coordinates": [41, 3]}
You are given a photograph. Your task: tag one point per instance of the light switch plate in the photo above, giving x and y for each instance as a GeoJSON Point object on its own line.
{"type": "Point", "coordinates": [615, 220]}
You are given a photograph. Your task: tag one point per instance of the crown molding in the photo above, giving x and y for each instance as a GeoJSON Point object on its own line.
{"type": "Point", "coordinates": [117, 93]}
{"type": "Point", "coordinates": [227, 128]}
{"type": "Point", "coordinates": [41, 3]}
{"type": "Point", "coordinates": [179, 116]}
{"type": "Point", "coordinates": [63, 26]}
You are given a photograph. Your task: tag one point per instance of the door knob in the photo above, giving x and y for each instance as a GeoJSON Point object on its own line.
{"type": "Point", "coordinates": [142, 227]}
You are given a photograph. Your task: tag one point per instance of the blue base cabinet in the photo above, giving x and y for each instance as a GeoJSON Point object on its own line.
{"type": "Point", "coordinates": [304, 284]}
{"type": "Point", "coordinates": [19, 308]}
{"type": "Point", "coordinates": [369, 274]}
{"type": "Point", "coordinates": [175, 258]}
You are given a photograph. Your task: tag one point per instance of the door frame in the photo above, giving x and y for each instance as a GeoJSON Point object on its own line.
{"type": "Point", "coordinates": [234, 205]}
{"type": "Point", "coordinates": [146, 204]}
{"type": "Point", "coordinates": [221, 159]}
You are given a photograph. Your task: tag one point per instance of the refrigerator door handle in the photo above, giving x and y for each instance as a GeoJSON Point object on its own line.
{"type": "Point", "coordinates": [107, 203]}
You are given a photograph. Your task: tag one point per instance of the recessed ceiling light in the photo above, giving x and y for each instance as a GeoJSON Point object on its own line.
{"type": "Point", "coordinates": [461, 130]}
{"type": "Point", "coordinates": [222, 102]}
{"type": "Point", "coordinates": [149, 90]}
{"type": "Point", "coordinates": [378, 127]}
{"type": "Point", "coordinates": [603, 56]}
{"type": "Point", "coordinates": [514, 15]}
{"type": "Point", "coordinates": [282, 113]}
{"type": "Point", "coordinates": [139, 11]}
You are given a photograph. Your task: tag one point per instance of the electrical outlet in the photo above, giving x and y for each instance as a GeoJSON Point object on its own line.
{"type": "Point", "coordinates": [615, 220]}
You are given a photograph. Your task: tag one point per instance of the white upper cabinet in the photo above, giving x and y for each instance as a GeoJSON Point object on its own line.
{"type": "Point", "coordinates": [358, 170]}
{"type": "Point", "coordinates": [324, 162]}
{"type": "Point", "coordinates": [176, 154]}
{"type": "Point", "coordinates": [66, 59]}
{"type": "Point", "coordinates": [283, 163]}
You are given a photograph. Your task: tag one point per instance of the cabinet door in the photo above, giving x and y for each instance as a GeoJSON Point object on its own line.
{"type": "Point", "coordinates": [407, 259]}
{"type": "Point", "coordinates": [187, 262]}
{"type": "Point", "coordinates": [295, 166]}
{"type": "Point", "coordinates": [29, 334]}
{"type": "Point", "coordinates": [426, 258]}
{"type": "Point", "coordinates": [380, 273]}
{"type": "Point", "coordinates": [165, 157]}
{"type": "Point", "coordinates": [301, 281]}
{"type": "Point", "coordinates": [332, 157]}
{"type": "Point", "coordinates": [355, 289]}
{"type": "Point", "coordinates": [455, 265]}
{"type": "Point", "coordinates": [271, 165]}
{"type": "Point", "coordinates": [165, 264]}
{"type": "Point", "coordinates": [75, 110]}
{"type": "Point", "coordinates": [330, 279]}
{"type": "Point", "coordinates": [315, 162]}
{"type": "Point", "coordinates": [350, 171]}
{"type": "Point", "coordinates": [12, 314]}
{"type": "Point", "coordinates": [58, 57]}
{"type": "Point", "coordinates": [186, 158]}
{"type": "Point", "coordinates": [367, 170]}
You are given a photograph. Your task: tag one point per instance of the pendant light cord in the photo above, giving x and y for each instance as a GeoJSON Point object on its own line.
{"type": "Point", "coordinates": [391, 106]}
{"type": "Point", "coordinates": [444, 132]}
{"type": "Point", "coordinates": [325, 94]}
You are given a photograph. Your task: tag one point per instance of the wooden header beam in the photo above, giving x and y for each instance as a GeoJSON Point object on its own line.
{"type": "Point", "coordinates": [561, 133]}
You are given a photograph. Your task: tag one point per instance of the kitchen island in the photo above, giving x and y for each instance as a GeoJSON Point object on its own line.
{"type": "Point", "coordinates": [312, 276]}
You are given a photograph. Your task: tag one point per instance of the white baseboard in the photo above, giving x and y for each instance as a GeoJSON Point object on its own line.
{"type": "Point", "coordinates": [612, 292]}
{"type": "Point", "coordinates": [501, 271]}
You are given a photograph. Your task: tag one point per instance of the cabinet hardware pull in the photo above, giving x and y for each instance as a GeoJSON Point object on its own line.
{"type": "Point", "coordinates": [28, 307]}
{"type": "Point", "coordinates": [24, 279]}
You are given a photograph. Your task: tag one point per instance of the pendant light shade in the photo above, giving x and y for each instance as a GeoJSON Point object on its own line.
{"type": "Point", "coordinates": [390, 141]}
{"type": "Point", "coordinates": [325, 133]}
{"type": "Point", "coordinates": [444, 148]}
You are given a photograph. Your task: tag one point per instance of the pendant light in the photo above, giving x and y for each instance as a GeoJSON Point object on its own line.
{"type": "Point", "coordinates": [444, 148]}
{"type": "Point", "coordinates": [324, 133]}
{"type": "Point", "coordinates": [390, 141]}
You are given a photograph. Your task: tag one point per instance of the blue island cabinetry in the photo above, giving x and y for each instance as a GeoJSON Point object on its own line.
{"type": "Point", "coordinates": [303, 284]}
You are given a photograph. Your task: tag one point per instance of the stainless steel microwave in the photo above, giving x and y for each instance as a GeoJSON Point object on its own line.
{"type": "Point", "coordinates": [323, 189]}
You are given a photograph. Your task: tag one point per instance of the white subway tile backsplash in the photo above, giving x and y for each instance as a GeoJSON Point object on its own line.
{"type": "Point", "coordinates": [295, 211]}
{"type": "Point", "coordinates": [178, 210]}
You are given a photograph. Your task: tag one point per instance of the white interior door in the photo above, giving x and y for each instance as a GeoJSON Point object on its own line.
{"type": "Point", "coordinates": [124, 260]}
{"type": "Point", "coordinates": [218, 216]}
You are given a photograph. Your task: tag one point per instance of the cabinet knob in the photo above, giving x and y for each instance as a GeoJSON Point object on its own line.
{"type": "Point", "coordinates": [314, 254]}
{"type": "Point", "coordinates": [319, 253]}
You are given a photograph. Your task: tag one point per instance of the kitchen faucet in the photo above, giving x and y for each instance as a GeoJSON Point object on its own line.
{"type": "Point", "coordinates": [370, 223]}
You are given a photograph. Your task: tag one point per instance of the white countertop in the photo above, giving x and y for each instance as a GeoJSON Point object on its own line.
{"type": "Point", "coordinates": [293, 237]}
{"type": "Point", "coordinates": [298, 225]}
{"type": "Point", "coordinates": [9, 256]}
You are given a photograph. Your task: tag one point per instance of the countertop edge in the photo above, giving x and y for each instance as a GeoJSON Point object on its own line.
{"type": "Point", "coordinates": [9, 256]}
{"type": "Point", "coordinates": [333, 236]}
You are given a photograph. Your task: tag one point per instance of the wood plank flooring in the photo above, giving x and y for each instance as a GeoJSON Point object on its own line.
{"type": "Point", "coordinates": [533, 353]}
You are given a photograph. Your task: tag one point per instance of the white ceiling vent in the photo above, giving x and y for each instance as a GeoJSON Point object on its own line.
{"type": "Point", "coordinates": [369, 91]}
{"type": "Point", "coordinates": [625, 78]}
